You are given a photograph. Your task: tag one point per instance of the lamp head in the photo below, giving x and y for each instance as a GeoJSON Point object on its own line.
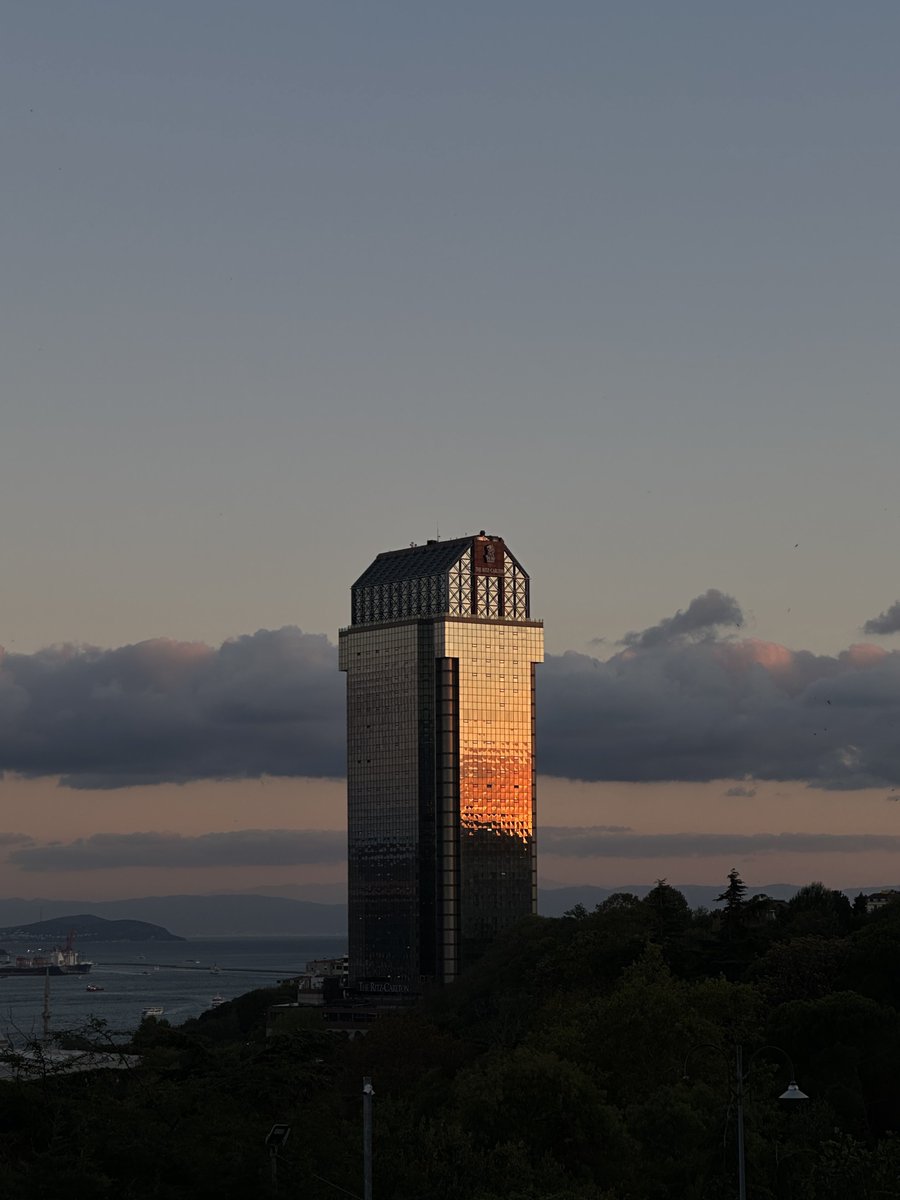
{"type": "Point", "coordinates": [793, 1092]}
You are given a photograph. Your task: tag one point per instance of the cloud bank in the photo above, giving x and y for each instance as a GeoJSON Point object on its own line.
{"type": "Point", "coordinates": [270, 703]}
{"type": "Point", "coordinates": [302, 847]}
{"type": "Point", "coordinates": [886, 622]}
{"type": "Point", "coordinates": [722, 709]}
{"type": "Point", "coordinates": [681, 701]}
{"type": "Point", "coordinates": [236, 848]}
{"type": "Point", "coordinates": [596, 842]}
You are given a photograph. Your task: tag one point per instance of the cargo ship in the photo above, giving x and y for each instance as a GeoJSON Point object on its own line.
{"type": "Point", "coordinates": [61, 960]}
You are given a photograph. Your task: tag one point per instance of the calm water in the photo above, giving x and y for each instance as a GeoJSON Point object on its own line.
{"type": "Point", "coordinates": [173, 975]}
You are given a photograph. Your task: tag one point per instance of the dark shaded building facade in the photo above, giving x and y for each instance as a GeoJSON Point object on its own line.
{"type": "Point", "coordinates": [440, 661]}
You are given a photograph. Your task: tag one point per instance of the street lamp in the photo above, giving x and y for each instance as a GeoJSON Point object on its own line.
{"type": "Point", "coordinates": [792, 1092]}
{"type": "Point", "coordinates": [276, 1139]}
{"type": "Point", "coordinates": [368, 1094]}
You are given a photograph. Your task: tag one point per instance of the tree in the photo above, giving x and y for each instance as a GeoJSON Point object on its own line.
{"type": "Point", "coordinates": [618, 900]}
{"type": "Point", "coordinates": [803, 968]}
{"type": "Point", "coordinates": [734, 913]}
{"type": "Point", "coordinates": [671, 912]}
{"type": "Point", "coordinates": [819, 910]}
{"type": "Point", "coordinates": [845, 1048]}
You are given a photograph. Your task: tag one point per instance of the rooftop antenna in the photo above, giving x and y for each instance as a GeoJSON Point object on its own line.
{"type": "Point", "coordinates": [437, 530]}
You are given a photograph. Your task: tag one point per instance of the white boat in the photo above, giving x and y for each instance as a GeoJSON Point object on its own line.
{"type": "Point", "coordinates": [216, 1001]}
{"type": "Point", "coordinates": [154, 1011]}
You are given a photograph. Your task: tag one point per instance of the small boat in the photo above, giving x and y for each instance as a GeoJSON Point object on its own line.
{"type": "Point", "coordinates": [93, 987]}
{"type": "Point", "coordinates": [216, 1001]}
{"type": "Point", "coordinates": [154, 1011]}
{"type": "Point", "coordinates": [215, 969]}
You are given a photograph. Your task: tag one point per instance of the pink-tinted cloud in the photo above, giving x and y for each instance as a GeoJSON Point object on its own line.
{"type": "Point", "coordinates": [683, 707]}
{"type": "Point", "coordinates": [267, 703]}
{"type": "Point", "coordinates": [680, 704]}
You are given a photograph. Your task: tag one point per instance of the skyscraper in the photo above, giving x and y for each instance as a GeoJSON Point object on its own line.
{"type": "Point", "coordinates": [440, 661]}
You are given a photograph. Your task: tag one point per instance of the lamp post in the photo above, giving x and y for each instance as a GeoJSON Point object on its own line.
{"type": "Point", "coordinates": [368, 1094]}
{"type": "Point", "coordinates": [792, 1092]}
{"type": "Point", "coordinates": [276, 1139]}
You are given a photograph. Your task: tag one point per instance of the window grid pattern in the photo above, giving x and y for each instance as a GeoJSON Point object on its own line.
{"type": "Point", "coordinates": [515, 590]}
{"type": "Point", "coordinates": [424, 596]}
{"type": "Point", "coordinates": [388, 678]}
{"type": "Point", "coordinates": [437, 580]}
{"type": "Point", "coordinates": [459, 589]}
{"type": "Point", "coordinates": [495, 765]}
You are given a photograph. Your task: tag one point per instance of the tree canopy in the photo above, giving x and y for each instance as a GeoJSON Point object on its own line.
{"type": "Point", "coordinates": [589, 1057]}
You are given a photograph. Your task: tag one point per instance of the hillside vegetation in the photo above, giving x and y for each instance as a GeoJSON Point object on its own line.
{"type": "Point", "coordinates": [587, 1057]}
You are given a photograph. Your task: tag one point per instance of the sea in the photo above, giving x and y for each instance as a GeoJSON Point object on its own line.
{"type": "Point", "coordinates": [182, 978]}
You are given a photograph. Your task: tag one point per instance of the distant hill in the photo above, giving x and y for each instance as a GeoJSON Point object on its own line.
{"type": "Point", "coordinates": [249, 914]}
{"type": "Point", "coordinates": [90, 928]}
{"type": "Point", "coordinates": [320, 893]}
{"type": "Point", "coordinates": [228, 915]}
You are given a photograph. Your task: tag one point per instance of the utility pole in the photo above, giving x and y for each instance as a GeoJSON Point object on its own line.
{"type": "Point", "coordinates": [739, 1089]}
{"type": "Point", "coordinates": [368, 1096]}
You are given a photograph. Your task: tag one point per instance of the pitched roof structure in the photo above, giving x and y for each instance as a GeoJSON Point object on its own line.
{"type": "Point", "coordinates": [414, 562]}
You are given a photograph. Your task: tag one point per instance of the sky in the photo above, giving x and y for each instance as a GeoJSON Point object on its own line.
{"type": "Point", "coordinates": [290, 283]}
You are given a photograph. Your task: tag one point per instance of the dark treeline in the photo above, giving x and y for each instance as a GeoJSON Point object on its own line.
{"type": "Point", "coordinates": [589, 1057]}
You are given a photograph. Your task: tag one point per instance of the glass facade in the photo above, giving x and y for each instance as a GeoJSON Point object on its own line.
{"type": "Point", "coordinates": [441, 797]}
{"type": "Point", "coordinates": [495, 791]}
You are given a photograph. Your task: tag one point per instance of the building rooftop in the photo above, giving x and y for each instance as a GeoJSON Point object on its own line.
{"type": "Point", "coordinates": [414, 562]}
{"type": "Point", "coordinates": [473, 576]}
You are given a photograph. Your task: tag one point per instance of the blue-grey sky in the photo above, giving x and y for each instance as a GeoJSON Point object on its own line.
{"type": "Point", "coordinates": [288, 283]}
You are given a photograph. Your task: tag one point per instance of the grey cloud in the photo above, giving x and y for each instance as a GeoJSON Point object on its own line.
{"type": "Point", "coordinates": [740, 790]}
{"type": "Point", "coordinates": [722, 709]}
{"type": "Point", "coordinates": [597, 842]}
{"type": "Point", "coordinates": [267, 703]}
{"type": "Point", "coordinates": [15, 839]}
{"type": "Point", "coordinates": [851, 783]}
{"type": "Point", "coordinates": [704, 614]}
{"type": "Point", "coordinates": [886, 622]}
{"type": "Point", "coordinates": [296, 847]}
{"type": "Point", "coordinates": [237, 848]}
{"type": "Point", "coordinates": [674, 707]}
